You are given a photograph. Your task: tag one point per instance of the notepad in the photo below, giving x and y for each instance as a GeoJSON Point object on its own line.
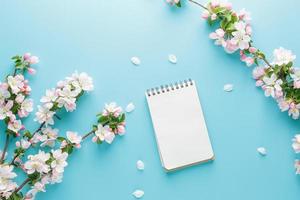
{"type": "Point", "coordinates": [180, 130]}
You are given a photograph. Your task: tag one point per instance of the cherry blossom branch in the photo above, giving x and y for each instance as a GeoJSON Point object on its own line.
{"type": "Point", "coordinates": [111, 122]}
{"type": "Point", "coordinates": [5, 148]}
{"type": "Point", "coordinates": [279, 79]}
{"type": "Point", "coordinates": [45, 167]}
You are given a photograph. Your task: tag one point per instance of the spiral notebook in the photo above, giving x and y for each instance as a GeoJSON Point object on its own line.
{"type": "Point", "coordinates": [179, 125]}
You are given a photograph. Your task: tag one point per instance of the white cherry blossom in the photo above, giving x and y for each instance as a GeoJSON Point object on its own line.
{"type": "Point", "coordinates": [37, 163]}
{"type": "Point", "coordinates": [5, 109]}
{"type": "Point", "coordinates": [240, 38]}
{"type": "Point", "coordinates": [44, 115]}
{"type": "Point", "coordinates": [112, 108]}
{"type": "Point", "coordinates": [4, 93]}
{"type": "Point", "coordinates": [50, 97]}
{"type": "Point", "coordinates": [15, 125]}
{"type": "Point", "coordinates": [7, 185]}
{"type": "Point", "coordinates": [282, 56]}
{"type": "Point", "coordinates": [59, 162]}
{"type": "Point", "coordinates": [48, 137]}
{"type": "Point", "coordinates": [82, 80]}
{"type": "Point", "coordinates": [74, 138]}
{"type": "Point", "coordinates": [104, 134]}
{"type": "Point", "coordinates": [16, 83]}
{"type": "Point", "coordinates": [26, 108]}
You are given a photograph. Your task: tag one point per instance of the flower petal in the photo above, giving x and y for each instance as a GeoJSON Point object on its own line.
{"type": "Point", "coordinates": [138, 194]}
{"type": "Point", "coordinates": [172, 58]}
{"type": "Point", "coordinates": [262, 151]}
{"type": "Point", "coordinates": [140, 165]}
{"type": "Point", "coordinates": [130, 107]}
{"type": "Point", "coordinates": [228, 87]}
{"type": "Point", "coordinates": [135, 60]}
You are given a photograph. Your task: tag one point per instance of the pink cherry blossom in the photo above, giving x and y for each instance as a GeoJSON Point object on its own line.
{"type": "Point", "coordinates": [27, 56]}
{"type": "Point", "coordinates": [31, 71]}
{"type": "Point", "coordinates": [213, 17]}
{"type": "Point", "coordinates": [283, 105]}
{"type": "Point", "coordinates": [252, 49]}
{"type": "Point", "coordinates": [214, 3]}
{"type": "Point", "coordinates": [205, 14]}
{"type": "Point", "coordinates": [259, 83]}
{"type": "Point", "coordinates": [297, 84]}
{"type": "Point", "coordinates": [218, 35]}
{"type": "Point", "coordinates": [230, 47]}
{"type": "Point", "coordinates": [258, 72]}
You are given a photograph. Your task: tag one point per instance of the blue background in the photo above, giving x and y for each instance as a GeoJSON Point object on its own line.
{"type": "Point", "coordinates": [100, 37]}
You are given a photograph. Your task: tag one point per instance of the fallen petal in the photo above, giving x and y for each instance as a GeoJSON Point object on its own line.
{"type": "Point", "coordinates": [140, 165]}
{"type": "Point", "coordinates": [130, 107]}
{"type": "Point", "coordinates": [172, 58]}
{"type": "Point", "coordinates": [138, 194]}
{"type": "Point", "coordinates": [135, 60]}
{"type": "Point", "coordinates": [262, 151]}
{"type": "Point", "coordinates": [228, 87]}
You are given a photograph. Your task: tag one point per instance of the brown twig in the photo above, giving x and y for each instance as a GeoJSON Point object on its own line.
{"type": "Point", "coordinates": [22, 185]}
{"type": "Point", "coordinates": [88, 134]}
{"type": "Point", "coordinates": [267, 62]}
{"type": "Point", "coordinates": [4, 149]}
{"type": "Point", "coordinates": [199, 4]}
{"type": "Point", "coordinates": [39, 129]}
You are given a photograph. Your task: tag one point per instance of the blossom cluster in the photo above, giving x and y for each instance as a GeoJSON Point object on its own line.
{"type": "Point", "coordinates": [14, 91]}
{"type": "Point", "coordinates": [48, 164]}
{"type": "Point", "coordinates": [64, 95]}
{"type": "Point", "coordinates": [279, 79]}
{"type": "Point", "coordinates": [111, 123]}
{"type": "Point", "coordinates": [234, 32]}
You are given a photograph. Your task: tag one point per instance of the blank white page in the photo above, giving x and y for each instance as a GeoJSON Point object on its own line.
{"type": "Point", "coordinates": [179, 125]}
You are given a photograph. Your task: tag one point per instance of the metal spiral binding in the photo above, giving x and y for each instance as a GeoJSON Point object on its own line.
{"type": "Point", "coordinates": [169, 87]}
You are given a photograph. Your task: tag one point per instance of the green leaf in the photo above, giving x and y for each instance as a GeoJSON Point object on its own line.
{"type": "Point", "coordinates": [34, 178]}
{"type": "Point", "coordinates": [68, 149]}
{"type": "Point", "coordinates": [228, 17]}
{"type": "Point", "coordinates": [178, 4]}
{"type": "Point", "coordinates": [15, 196]}
{"type": "Point", "coordinates": [27, 134]}
{"type": "Point", "coordinates": [15, 57]}
{"type": "Point", "coordinates": [219, 10]}
{"type": "Point", "coordinates": [103, 119]}
{"type": "Point", "coordinates": [60, 139]}
{"type": "Point", "coordinates": [255, 61]}
{"type": "Point", "coordinates": [99, 141]}
{"type": "Point", "coordinates": [223, 24]}
{"type": "Point", "coordinates": [289, 65]}
{"type": "Point", "coordinates": [122, 118]}
{"type": "Point", "coordinates": [210, 22]}
{"type": "Point", "coordinates": [10, 132]}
